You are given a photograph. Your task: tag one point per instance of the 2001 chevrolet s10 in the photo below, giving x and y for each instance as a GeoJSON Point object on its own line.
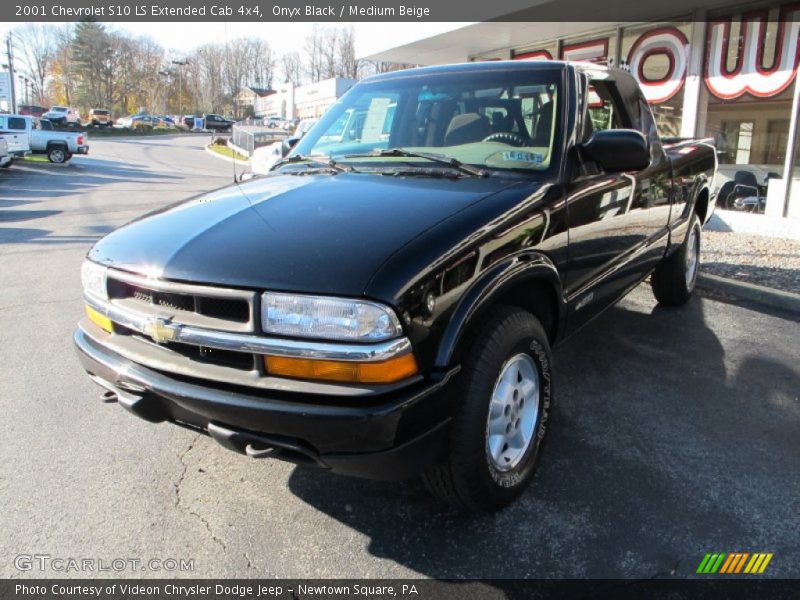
{"type": "Point", "coordinates": [385, 301]}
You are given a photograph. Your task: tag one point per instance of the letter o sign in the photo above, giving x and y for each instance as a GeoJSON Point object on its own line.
{"type": "Point", "coordinates": [664, 41]}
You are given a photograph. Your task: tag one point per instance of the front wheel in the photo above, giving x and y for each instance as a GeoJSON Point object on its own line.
{"type": "Point", "coordinates": [674, 278]}
{"type": "Point", "coordinates": [57, 155]}
{"type": "Point", "coordinates": [502, 399]}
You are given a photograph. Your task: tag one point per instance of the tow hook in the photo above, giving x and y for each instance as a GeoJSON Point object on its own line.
{"type": "Point", "coordinates": [260, 452]}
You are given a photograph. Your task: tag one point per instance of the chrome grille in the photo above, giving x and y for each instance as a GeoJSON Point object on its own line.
{"type": "Point", "coordinates": [187, 304]}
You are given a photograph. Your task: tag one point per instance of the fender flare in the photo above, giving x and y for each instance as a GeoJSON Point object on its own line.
{"type": "Point", "coordinates": [702, 183]}
{"type": "Point", "coordinates": [54, 143]}
{"type": "Point", "coordinates": [704, 187]}
{"type": "Point", "coordinates": [500, 278]}
{"type": "Point", "coordinates": [679, 226]}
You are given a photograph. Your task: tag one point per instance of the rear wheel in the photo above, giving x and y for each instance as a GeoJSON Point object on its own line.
{"type": "Point", "coordinates": [674, 279]}
{"type": "Point", "coordinates": [502, 401]}
{"type": "Point", "coordinates": [57, 154]}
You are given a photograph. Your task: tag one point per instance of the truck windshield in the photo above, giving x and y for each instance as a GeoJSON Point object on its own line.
{"type": "Point", "coordinates": [494, 119]}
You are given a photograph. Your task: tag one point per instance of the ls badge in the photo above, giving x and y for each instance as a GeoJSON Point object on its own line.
{"type": "Point", "coordinates": [160, 330]}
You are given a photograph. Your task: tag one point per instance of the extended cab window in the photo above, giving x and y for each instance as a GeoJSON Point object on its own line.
{"type": "Point", "coordinates": [605, 111]}
{"type": "Point", "coordinates": [490, 119]}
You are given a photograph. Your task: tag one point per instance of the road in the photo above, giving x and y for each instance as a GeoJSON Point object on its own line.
{"type": "Point", "coordinates": [674, 432]}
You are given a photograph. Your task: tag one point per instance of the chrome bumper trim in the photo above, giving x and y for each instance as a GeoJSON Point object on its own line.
{"type": "Point", "coordinates": [240, 342]}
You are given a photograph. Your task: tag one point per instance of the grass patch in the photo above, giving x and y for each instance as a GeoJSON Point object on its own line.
{"type": "Point", "coordinates": [36, 158]}
{"type": "Point", "coordinates": [99, 132]}
{"type": "Point", "coordinates": [225, 151]}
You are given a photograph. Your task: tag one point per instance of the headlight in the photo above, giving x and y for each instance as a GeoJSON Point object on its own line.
{"type": "Point", "coordinates": [296, 315]}
{"type": "Point", "coordinates": [93, 277]}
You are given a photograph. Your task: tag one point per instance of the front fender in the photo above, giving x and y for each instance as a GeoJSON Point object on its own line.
{"type": "Point", "coordinates": [525, 267]}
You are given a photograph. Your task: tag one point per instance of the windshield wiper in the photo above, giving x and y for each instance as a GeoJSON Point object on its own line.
{"type": "Point", "coordinates": [326, 161]}
{"type": "Point", "coordinates": [437, 158]}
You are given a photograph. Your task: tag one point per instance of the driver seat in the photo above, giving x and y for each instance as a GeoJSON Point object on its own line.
{"type": "Point", "coordinates": [467, 128]}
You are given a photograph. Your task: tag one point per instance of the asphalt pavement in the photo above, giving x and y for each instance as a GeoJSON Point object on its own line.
{"type": "Point", "coordinates": [673, 433]}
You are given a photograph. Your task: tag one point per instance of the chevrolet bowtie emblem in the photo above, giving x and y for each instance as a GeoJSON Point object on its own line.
{"type": "Point", "coordinates": [160, 330]}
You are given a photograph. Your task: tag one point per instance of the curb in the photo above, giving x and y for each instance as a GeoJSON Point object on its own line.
{"type": "Point", "coordinates": [750, 291]}
{"type": "Point", "coordinates": [225, 158]}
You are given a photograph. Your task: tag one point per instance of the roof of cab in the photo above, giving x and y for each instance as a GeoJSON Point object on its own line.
{"type": "Point", "coordinates": [493, 65]}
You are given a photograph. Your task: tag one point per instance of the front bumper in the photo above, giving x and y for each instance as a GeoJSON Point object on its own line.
{"type": "Point", "coordinates": [392, 437]}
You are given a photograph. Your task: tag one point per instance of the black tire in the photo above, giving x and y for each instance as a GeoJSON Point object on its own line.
{"type": "Point", "coordinates": [468, 477]}
{"type": "Point", "coordinates": [672, 283]}
{"type": "Point", "coordinates": [57, 154]}
{"type": "Point", "coordinates": [8, 164]}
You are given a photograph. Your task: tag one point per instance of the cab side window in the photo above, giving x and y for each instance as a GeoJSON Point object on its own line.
{"type": "Point", "coordinates": [604, 110]}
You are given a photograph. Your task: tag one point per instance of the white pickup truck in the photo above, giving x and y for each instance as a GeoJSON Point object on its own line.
{"type": "Point", "coordinates": [5, 156]}
{"type": "Point", "coordinates": [42, 138]}
{"type": "Point", "coordinates": [63, 115]}
{"type": "Point", "coordinates": [14, 129]}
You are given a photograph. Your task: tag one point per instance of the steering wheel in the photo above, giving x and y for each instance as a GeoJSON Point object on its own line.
{"type": "Point", "coordinates": [505, 137]}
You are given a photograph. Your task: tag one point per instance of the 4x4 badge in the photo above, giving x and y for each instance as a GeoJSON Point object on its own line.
{"type": "Point", "coordinates": [160, 330]}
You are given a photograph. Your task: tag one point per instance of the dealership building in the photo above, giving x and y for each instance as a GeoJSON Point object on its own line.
{"type": "Point", "coordinates": [727, 73]}
{"type": "Point", "coordinates": [288, 101]}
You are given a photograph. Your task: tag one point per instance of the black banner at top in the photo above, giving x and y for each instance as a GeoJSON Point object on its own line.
{"type": "Point", "coordinates": [334, 11]}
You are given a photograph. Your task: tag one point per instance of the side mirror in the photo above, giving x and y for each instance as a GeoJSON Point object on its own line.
{"type": "Point", "coordinates": [288, 144]}
{"type": "Point", "coordinates": [617, 150]}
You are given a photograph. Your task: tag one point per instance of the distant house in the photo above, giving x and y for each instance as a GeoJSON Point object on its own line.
{"type": "Point", "coordinates": [247, 98]}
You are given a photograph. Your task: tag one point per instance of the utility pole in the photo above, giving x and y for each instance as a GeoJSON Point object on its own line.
{"type": "Point", "coordinates": [166, 75]}
{"type": "Point", "coordinates": [11, 74]}
{"type": "Point", "coordinates": [181, 64]}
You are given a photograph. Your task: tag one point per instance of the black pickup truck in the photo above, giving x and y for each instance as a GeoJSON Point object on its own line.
{"type": "Point", "coordinates": [384, 302]}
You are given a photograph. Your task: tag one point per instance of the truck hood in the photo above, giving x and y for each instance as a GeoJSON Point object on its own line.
{"type": "Point", "coordinates": [310, 233]}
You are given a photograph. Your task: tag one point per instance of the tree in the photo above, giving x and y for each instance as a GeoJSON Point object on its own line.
{"type": "Point", "coordinates": [61, 78]}
{"type": "Point", "coordinates": [37, 47]}
{"type": "Point", "coordinates": [263, 63]}
{"type": "Point", "coordinates": [92, 48]}
{"type": "Point", "coordinates": [373, 67]}
{"type": "Point", "coordinates": [205, 78]}
{"type": "Point", "coordinates": [292, 67]}
{"type": "Point", "coordinates": [348, 64]}
{"type": "Point", "coordinates": [313, 54]}
{"type": "Point", "coordinates": [328, 52]}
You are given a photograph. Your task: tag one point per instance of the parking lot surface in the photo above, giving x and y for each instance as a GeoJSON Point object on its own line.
{"type": "Point", "coordinates": [674, 432]}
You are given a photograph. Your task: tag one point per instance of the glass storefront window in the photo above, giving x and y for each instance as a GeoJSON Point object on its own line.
{"type": "Point", "coordinates": [747, 107]}
{"type": "Point", "coordinates": [658, 56]}
{"type": "Point", "coordinates": [600, 47]}
{"type": "Point", "coordinates": [543, 51]}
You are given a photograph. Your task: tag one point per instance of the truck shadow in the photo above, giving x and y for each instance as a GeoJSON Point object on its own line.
{"type": "Point", "coordinates": [22, 235]}
{"type": "Point", "coordinates": [655, 453]}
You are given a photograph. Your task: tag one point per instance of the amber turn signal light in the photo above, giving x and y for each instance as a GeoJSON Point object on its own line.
{"type": "Point", "coordinates": [387, 371]}
{"type": "Point", "coordinates": [101, 321]}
